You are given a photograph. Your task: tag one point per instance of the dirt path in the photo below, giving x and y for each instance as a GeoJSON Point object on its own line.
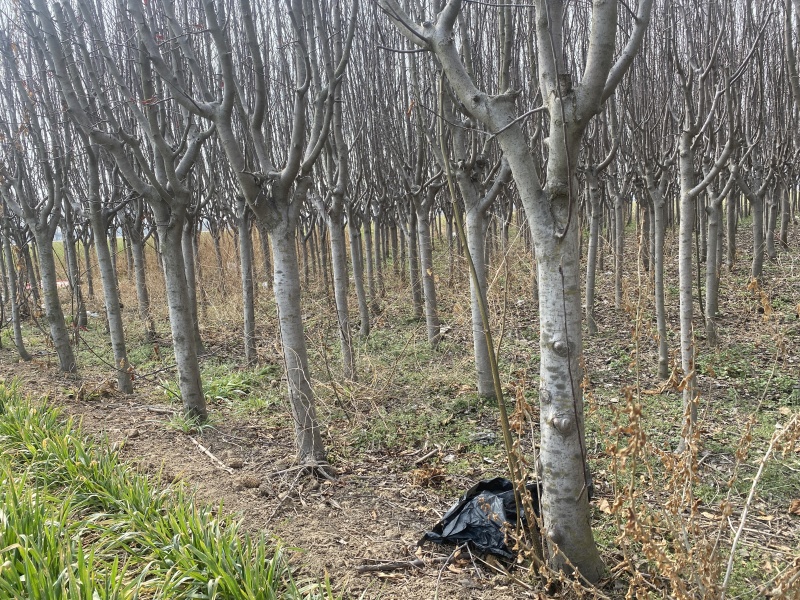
{"type": "Point", "coordinates": [372, 513]}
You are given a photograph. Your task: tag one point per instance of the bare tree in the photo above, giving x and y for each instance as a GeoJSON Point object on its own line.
{"type": "Point", "coordinates": [159, 175]}
{"type": "Point", "coordinates": [11, 283]}
{"type": "Point", "coordinates": [315, 60]}
{"type": "Point", "coordinates": [552, 216]}
{"type": "Point", "coordinates": [35, 173]}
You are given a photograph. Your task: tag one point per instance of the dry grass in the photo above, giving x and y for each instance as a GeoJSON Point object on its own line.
{"type": "Point", "coordinates": [665, 522]}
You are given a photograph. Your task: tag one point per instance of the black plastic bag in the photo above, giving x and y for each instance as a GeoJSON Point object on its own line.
{"type": "Point", "coordinates": [481, 518]}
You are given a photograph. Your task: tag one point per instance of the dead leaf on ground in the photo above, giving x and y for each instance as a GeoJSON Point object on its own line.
{"type": "Point", "coordinates": [604, 506]}
{"type": "Point", "coordinates": [766, 518]}
{"type": "Point", "coordinates": [794, 507]}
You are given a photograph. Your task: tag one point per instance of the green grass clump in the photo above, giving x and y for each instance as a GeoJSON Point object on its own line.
{"type": "Point", "coordinates": [76, 523]}
{"type": "Point", "coordinates": [245, 390]}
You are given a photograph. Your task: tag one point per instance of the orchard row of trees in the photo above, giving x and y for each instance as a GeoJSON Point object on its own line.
{"type": "Point", "coordinates": [354, 130]}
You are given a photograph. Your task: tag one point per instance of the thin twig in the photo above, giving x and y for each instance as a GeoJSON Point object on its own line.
{"type": "Point", "coordinates": [213, 458]}
{"type": "Point", "coordinates": [425, 457]}
{"type": "Point", "coordinates": [775, 437]}
{"type": "Point", "coordinates": [391, 566]}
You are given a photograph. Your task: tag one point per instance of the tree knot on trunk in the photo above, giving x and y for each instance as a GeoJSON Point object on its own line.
{"type": "Point", "coordinates": [562, 424]}
{"type": "Point", "coordinates": [561, 348]}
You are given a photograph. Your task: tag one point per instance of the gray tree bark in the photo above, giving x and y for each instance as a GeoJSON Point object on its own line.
{"type": "Point", "coordinates": [656, 192]}
{"type": "Point", "coordinates": [357, 256]}
{"type": "Point", "coordinates": [108, 276]}
{"type": "Point", "coordinates": [287, 297]}
{"type": "Point", "coordinates": [755, 195]}
{"type": "Point", "coordinates": [595, 206]}
{"type": "Point", "coordinates": [422, 208]}
{"type": "Point", "coordinates": [73, 268]}
{"type": "Point", "coordinates": [181, 318]}
{"type": "Point", "coordinates": [190, 277]}
{"type": "Point", "coordinates": [86, 243]}
{"type": "Point", "coordinates": [773, 207]}
{"type": "Point", "coordinates": [689, 190]}
{"type": "Point", "coordinates": [714, 223]}
{"type": "Point", "coordinates": [786, 216]}
{"type": "Point", "coordinates": [52, 303]}
{"type": "Point", "coordinates": [409, 230]}
{"type": "Point", "coordinates": [333, 215]}
{"type": "Point", "coordinates": [248, 293]}
{"type": "Point", "coordinates": [11, 275]}
{"type": "Point", "coordinates": [136, 234]}
{"type": "Point", "coordinates": [552, 216]}
{"type": "Point", "coordinates": [731, 221]}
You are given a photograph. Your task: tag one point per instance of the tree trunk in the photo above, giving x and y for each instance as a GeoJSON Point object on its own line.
{"type": "Point", "coordinates": [191, 281]}
{"type": "Point", "coordinates": [4, 275]}
{"type": "Point", "coordinates": [263, 237]}
{"type": "Point", "coordinates": [619, 248]}
{"type": "Point", "coordinates": [595, 213]}
{"type": "Point", "coordinates": [303, 241]}
{"type": "Point", "coordinates": [33, 277]}
{"type": "Point", "coordinates": [786, 216]}
{"type": "Point", "coordinates": [89, 269]}
{"type": "Point", "coordinates": [644, 236]}
{"type": "Point", "coordinates": [52, 303]}
{"type": "Point", "coordinates": [772, 219]}
{"type": "Point", "coordinates": [341, 282]}
{"type": "Point", "coordinates": [286, 279]}
{"type": "Point", "coordinates": [181, 317]}
{"type": "Point", "coordinates": [114, 246]}
{"type": "Point", "coordinates": [476, 240]}
{"type": "Point", "coordinates": [659, 231]}
{"type": "Point", "coordinates": [730, 224]}
{"type": "Point", "coordinates": [126, 246]}
{"type": "Point", "coordinates": [712, 274]}
{"type": "Point", "coordinates": [413, 264]}
{"type": "Point", "coordinates": [757, 267]}
{"type": "Point", "coordinates": [142, 294]}
{"type": "Point", "coordinates": [432, 324]}
{"type": "Point", "coordinates": [326, 262]}
{"type": "Point", "coordinates": [370, 262]}
{"type": "Point", "coordinates": [396, 259]}
{"type": "Point", "coordinates": [686, 279]}
{"type": "Point", "coordinates": [702, 227]}
{"type": "Point", "coordinates": [11, 278]}
{"type": "Point", "coordinates": [108, 279]}
{"type": "Point", "coordinates": [73, 270]}
{"type": "Point", "coordinates": [358, 274]}
{"type": "Point", "coordinates": [451, 249]}
{"type": "Point", "coordinates": [564, 473]}
{"type": "Point", "coordinates": [380, 244]}
{"type": "Point", "coordinates": [248, 294]}
{"type": "Point", "coordinates": [215, 235]}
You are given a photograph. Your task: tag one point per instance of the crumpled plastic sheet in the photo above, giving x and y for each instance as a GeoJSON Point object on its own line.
{"type": "Point", "coordinates": [482, 517]}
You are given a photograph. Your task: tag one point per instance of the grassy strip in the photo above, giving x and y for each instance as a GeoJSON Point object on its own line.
{"type": "Point", "coordinates": [77, 523]}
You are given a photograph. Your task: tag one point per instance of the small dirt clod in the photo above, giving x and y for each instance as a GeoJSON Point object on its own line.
{"type": "Point", "coordinates": [250, 481]}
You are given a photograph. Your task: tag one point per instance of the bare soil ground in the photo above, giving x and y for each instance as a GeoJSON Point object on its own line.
{"type": "Point", "coordinates": [372, 513]}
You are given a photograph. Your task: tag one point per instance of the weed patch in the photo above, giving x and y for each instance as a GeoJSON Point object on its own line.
{"type": "Point", "coordinates": [79, 524]}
